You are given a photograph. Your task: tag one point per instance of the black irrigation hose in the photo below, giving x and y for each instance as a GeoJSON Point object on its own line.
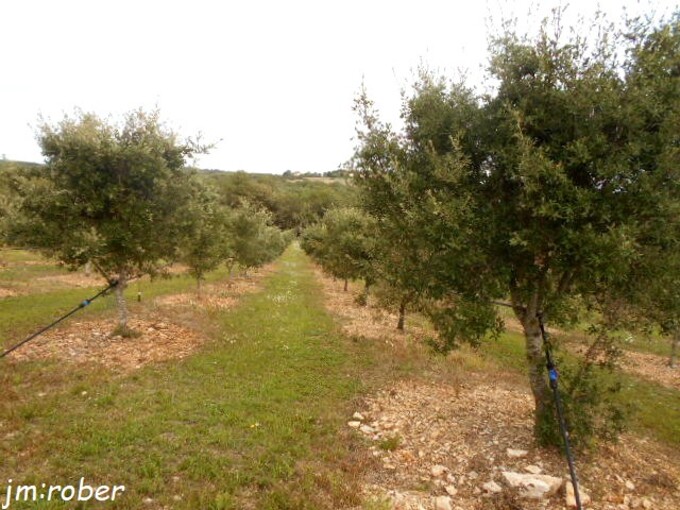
{"type": "Point", "coordinates": [82, 305]}
{"type": "Point", "coordinates": [553, 376]}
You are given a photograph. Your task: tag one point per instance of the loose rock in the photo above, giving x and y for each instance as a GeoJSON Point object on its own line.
{"type": "Point", "coordinates": [533, 486]}
{"type": "Point", "coordinates": [451, 490]}
{"type": "Point", "coordinates": [492, 487]}
{"type": "Point", "coordinates": [367, 430]}
{"type": "Point", "coordinates": [438, 470]}
{"type": "Point", "coordinates": [514, 454]}
{"type": "Point", "coordinates": [442, 503]}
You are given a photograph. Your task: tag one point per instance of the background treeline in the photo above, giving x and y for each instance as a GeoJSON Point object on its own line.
{"type": "Point", "coordinates": [293, 202]}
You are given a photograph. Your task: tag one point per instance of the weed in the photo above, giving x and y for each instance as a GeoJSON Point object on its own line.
{"type": "Point", "coordinates": [390, 444]}
{"type": "Point", "coordinates": [125, 332]}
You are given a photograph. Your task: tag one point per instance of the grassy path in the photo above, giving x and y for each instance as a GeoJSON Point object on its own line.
{"type": "Point", "coordinates": [254, 420]}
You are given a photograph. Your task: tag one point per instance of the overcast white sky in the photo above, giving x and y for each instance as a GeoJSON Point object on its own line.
{"type": "Point", "coordinates": [273, 80]}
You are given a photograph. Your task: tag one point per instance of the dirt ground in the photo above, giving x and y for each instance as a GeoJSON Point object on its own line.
{"type": "Point", "coordinates": [91, 341]}
{"type": "Point", "coordinates": [5, 293]}
{"type": "Point", "coordinates": [364, 321]}
{"type": "Point", "coordinates": [79, 279]}
{"type": "Point", "coordinates": [441, 444]}
{"type": "Point", "coordinates": [222, 295]}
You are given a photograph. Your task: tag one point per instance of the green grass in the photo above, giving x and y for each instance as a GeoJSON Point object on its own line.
{"type": "Point", "coordinates": [651, 344]}
{"type": "Point", "coordinates": [254, 420]}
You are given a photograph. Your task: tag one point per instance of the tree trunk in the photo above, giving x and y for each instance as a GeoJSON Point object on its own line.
{"type": "Point", "coordinates": [198, 286]}
{"type": "Point", "coordinates": [527, 313]}
{"type": "Point", "coordinates": [230, 266]}
{"type": "Point", "coordinates": [537, 372]}
{"type": "Point", "coordinates": [672, 362]}
{"type": "Point", "coordinates": [367, 288]}
{"type": "Point", "coordinates": [402, 315]}
{"type": "Point", "coordinates": [345, 289]}
{"type": "Point", "coordinates": [88, 268]}
{"type": "Point", "coordinates": [120, 300]}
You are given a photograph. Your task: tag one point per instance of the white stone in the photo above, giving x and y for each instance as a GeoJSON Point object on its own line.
{"type": "Point", "coordinates": [533, 486]}
{"type": "Point", "coordinates": [438, 470]}
{"type": "Point", "coordinates": [534, 470]}
{"type": "Point", "coordinates": [492, 487]}
{"type": "Point", "coordinates": [366, 429]}
{"type": "Point", "coordinates": [472, 475]}
{"type": "Point", "coordinates": [451, 490]}
{"type": "Point", "coordinates": [646, 504]}
{"type": "Point", "coordinates": [571, 499]}
{"type": "Point", "coordinates": [354, 424]}
{"type": "Point", "coordinates": [442, 503]}
{"type": "Point", "coordinates": [630, 485]}
{"type": "Point", "coordinates": [515, 454]}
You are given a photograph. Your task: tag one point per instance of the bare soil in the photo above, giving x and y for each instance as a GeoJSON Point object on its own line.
{"type": "Point", "coordinates": [5, 293]}
{"type": "Point", "coordinates": [448, 439]}
{"type": "Point", "coordinates": [221, 295]}
{"type": "Point", "coordinates": [467, 429]}
{"type": "Point", "coordinates": [363, 321]}
{"type": "Point", "coordinates": [84, 342]}
{"type": "Point", "coordinates": [652, 367]}
{"type": "Point", "coordinates": [80, 280]}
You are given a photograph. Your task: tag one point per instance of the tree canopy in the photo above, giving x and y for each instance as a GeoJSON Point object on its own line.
{"type": "Point", "coordinates": [110, 194]}
{"type": "Point", "coordinates": [548, 191]}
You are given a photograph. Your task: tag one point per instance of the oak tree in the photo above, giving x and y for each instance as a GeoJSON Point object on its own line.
{"type": "Point", "coordinates": [110, 194]}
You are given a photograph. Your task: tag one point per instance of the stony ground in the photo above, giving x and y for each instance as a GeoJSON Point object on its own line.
{"type": "Point", "coordinates": [155, 340]}
{"type": "Point", "coordinates": [447, 445]}
{"type": "Point", "coordinates": [450, 445]}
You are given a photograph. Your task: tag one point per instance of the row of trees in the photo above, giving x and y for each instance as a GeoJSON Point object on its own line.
{"type": "Point", "coordinates": [348, 245]}
{"type": "Point", "coordinates": [558, 192]}
{"type": "Point", "coordinates": [121, 198]}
